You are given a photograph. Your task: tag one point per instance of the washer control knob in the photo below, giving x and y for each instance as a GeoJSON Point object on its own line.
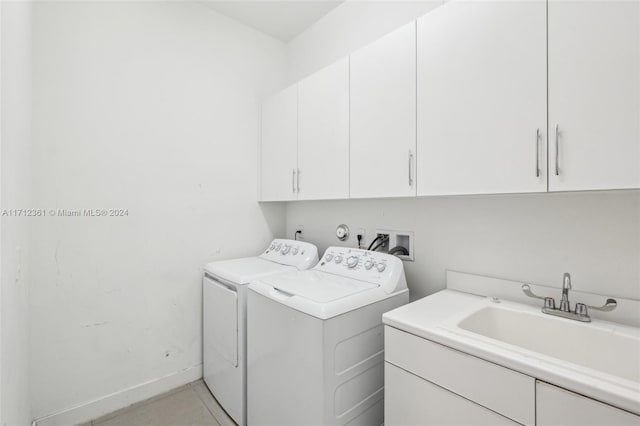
{"type": "Point", "coordinates": [368, 264]}
{"type": "Point", "coordinates": [295, 250]}
{"type": "Point", "coordinates": [328, 257]}
{"type": "Point", "coordinates": [338, 259]}
{"type": "Point", "coordinates": [272, 247]}
{"type": "Point", "coordinates": [278, 246]}
{"type": "Point", "coordinates": [352, 261]}
{"type": "Point", "coordinates": [381, 267]}
{"type": "Point", "coordinates": [286, 249]}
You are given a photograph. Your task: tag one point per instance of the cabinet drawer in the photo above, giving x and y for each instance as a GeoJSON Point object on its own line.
{"type": "Point", "coordinates": [410, 400]}
{"type": "Point", "coordinates": [560, 407]}
{"type": "Point", "coordinates": [504, 391]}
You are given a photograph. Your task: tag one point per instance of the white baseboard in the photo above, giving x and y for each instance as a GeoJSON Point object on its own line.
{"type": "Point", "coordinates": [120, 399]}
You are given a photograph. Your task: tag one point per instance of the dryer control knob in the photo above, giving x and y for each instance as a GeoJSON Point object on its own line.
{"type": "Point", "coordinates": [368, 264]}
{"type": "Point", "coordinates": [286, 249]}
{"type": "Point", "coordinates": [381, 267]}
{"type": "Point", "coordinates": [272, 247]}
{"type": "Point", "coordinates": [328, 257]}
{"type": "Point", "coordinates": [338, 259]}
{"type": "Point", "coordinates": [352, 261]}
{"type": "Point", "coordinates": [295, 250]}
{"type": "Point", "coordinates": [278, 246]}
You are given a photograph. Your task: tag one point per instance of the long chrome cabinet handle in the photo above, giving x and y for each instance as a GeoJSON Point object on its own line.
{"type": "Point", "coordinates": [298, 181]}
{"type": "Point", "coordinates": [293, 180]}
{"type": "Point", "coordinates": [557, 152]}
{"type": "Point", "coordinates": [538, 152]}
{"type": "Point", "coordinates": [410, 174]}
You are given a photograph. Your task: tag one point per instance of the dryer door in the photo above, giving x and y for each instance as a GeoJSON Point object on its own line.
{"type": "Point", "coordinates": [220, 326]}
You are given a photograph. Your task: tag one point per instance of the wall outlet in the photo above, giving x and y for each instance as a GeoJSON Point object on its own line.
{"type": "Point", "coordinates": [397, 239]}
{"type": "Point", "coordinates": [299, 232]}
{"type": "Point", "coordinates": [363, 237]}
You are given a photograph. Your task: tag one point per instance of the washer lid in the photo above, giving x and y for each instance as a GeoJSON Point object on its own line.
{"type": "Point", "coordinates": [246, 269]}
{"type": "Point", "coordinates": [318, 287]}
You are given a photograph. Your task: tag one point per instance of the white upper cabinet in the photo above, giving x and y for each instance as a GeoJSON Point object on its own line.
{"type": "Point", "coordinates": [476, 97]}
{"type": "Point", "coordinates": [383, 116]}
{"type": "Point", "coordinates": [594, 95]}
{"type": "Point", "coordinates": [482, 98]}
{"type": "Point", "coordinates": [278, 150]}
{"type": "Point", "coordinates": [323, 133]}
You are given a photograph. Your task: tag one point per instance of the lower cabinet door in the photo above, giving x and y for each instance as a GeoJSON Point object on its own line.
{"type": "Point", "coordinates": [410, 400]}
{"type": "Point", "coordinates": [557, 406]}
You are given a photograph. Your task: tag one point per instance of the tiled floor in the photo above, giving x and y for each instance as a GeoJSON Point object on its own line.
{"type": "Point", "coordinates": [189, 405]}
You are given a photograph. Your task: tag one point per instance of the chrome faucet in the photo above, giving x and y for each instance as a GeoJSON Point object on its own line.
{"type": "Point", "coordinates": [565, 306]}
{"type": "Point", "coordinates": [580, 313]}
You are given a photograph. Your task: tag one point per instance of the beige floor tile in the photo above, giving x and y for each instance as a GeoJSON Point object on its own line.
{"type": "Point", "coordinates": [203, 392]}
{"type": "Point", "coordinates": [137, 405]}
{"type": "Point", "coordinates": [182, 408]}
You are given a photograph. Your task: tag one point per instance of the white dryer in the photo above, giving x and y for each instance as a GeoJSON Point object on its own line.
{"type": "Point", "coordinates": [316, 344]}
{"type": "Point", "coordinates": [224, 289]}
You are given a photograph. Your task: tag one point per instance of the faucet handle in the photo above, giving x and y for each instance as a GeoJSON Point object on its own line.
{"type": "Point", "coordinates": [549, 303]}
{"type": "Point", "coordinates": [581, 310]}
{"type": "Point", "coordinates": [526, 289]}
{"type": "Point", "coordinates": [609, 306]}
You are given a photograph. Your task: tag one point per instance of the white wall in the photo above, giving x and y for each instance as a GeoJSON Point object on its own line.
{"type": "Point", "coordinates": [595, 236]}
{"type": "Point", "coordinates": [528, 238]}
{"type": "Point", "coordinates": [15, 149]}
{"type": "Point", "coordinates": [152, 107]}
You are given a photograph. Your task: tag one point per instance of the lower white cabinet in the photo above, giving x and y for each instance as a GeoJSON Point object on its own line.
{"type": "Point", "coordinates": [500, 389]}
{"type": "Point", "coordinates": [427, 383]}
{"type": "Point", "coordinates": [410, 400]}
{"type": "Point", "coordinates": [557, 406]}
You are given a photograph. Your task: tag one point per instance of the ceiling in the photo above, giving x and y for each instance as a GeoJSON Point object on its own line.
{"type": "Point", "coordinates": [282, 19]}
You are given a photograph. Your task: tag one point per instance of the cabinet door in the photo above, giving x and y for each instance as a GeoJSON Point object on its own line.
{"type": "Point", "coordinates": [410, 400]}
{"type": "Point", "coordinates": [482, 98]}
{"type": "Point", "coordinates": [278, 150]}
{"type": "Point", "coordinates": [383, 116]}
{"type": "Point", "coordinates": [323, 133]}
{"type": "Point", "coordinates": [594, 94]}
{"type": "Point", "coordinates": [559, 407]}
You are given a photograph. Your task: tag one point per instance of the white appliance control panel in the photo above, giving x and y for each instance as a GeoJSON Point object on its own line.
{"type": "Point", "coordinates": [378, 268]}
{"type": "Point", "coordinates": [300, 254]}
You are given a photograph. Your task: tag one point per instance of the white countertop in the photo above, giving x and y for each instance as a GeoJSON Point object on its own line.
{"type": "Point", "coordinates": [436, 317]}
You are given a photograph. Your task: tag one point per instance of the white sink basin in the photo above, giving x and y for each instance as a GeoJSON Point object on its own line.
{"type": "Point", "coordinates": [602, 347]}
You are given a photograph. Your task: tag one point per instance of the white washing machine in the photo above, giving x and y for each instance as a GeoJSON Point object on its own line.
{"type": "Point", "coordinates": [224, 289]}
{"type": "Point", "coordinates": [316, 344]}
